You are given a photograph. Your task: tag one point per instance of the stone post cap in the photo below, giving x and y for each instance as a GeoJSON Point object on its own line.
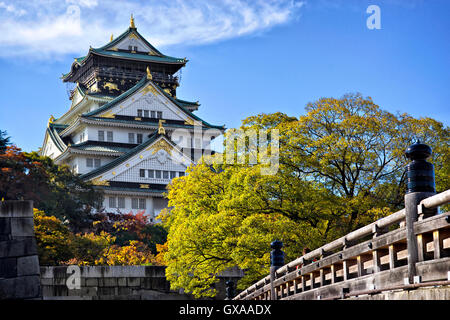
{"type": "Point", "coordinates": [418, 151]}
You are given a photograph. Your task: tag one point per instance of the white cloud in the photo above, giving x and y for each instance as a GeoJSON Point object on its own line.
{"type": "Point", "coordinates": [54, 28]}
{"type": "Point", "coordinates": [12, 9]}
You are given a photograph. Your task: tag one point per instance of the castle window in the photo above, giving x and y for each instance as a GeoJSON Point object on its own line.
{"type": "Point", "coordinates": [146, 113]}
{"type": "Point", "coordinates": [89, 162]}
{"type": "Point", "coordinates": [139, 138]}
{"type": "Point", "coordinates": [165, 174]}
{"type": "Point", "coordinates": [131, 138]}
{"type": "Point", "coordinates": [141, 203]}
{"type": "Point", "coordinates": [101, 135]}
{"type": "Point", "coordinates": [151, 173]}
{"type": "Point", "coordinates": [96, 163]}
{"type": "Point", "coordinates": [158, 174]}
{"type": "Point", "coordinates": [159, 114]}
{"type": "Point", "coordinates": [180, 174]}
{"type": "Point", "coordinates": [153, 114]}
{"type": "Point", "coordinates": [135, 48]}
{"type": "Point", "coordinates": [112, 202]}
{"type": "Point", "coordinates": [130, 48]}
{"type": "Point", "coordinates": [173, 174]}
{"type": "Point", "coordinates": [134, 203]}
{"type": "Point", "coordinates": [142, 173]}
{"type": "Point", "coordinates": [109, 136]}
{"type": "Point", "coordinates": [121, 202]}
{"type": "Point", "coordinates": [139, 112]}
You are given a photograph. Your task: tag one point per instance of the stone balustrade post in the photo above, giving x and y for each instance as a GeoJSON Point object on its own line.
{"type": "Point", "coordinates": [276, 261]}
{"type": "Point", "coordinates": [420, 185]}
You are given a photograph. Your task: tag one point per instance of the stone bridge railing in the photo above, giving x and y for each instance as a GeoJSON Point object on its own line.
{"type": "Point", "coordinates": [407, 249]}
{"type": "Point", "coordinates": [345, 268]}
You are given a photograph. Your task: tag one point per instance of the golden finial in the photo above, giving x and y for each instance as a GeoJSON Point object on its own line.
{"type": "Point", "coordinates": [112, 37]}
{"type": "Point", "coordinates": [161, 129]}
{"type": "Point", "coordinates": [132, 22]}
{"type": "Point", "coordinates": [149, 75]}
{"type": "Point", "coordinates": [51, 119]}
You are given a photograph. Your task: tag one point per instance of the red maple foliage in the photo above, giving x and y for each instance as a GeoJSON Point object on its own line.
{"type": "Point", "coordinates": [21, 178]}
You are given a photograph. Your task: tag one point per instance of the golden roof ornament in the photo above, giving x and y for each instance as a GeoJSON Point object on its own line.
{"type": "Point", "coordinates": [132, 22]}
{"type": "Point", "coordinates": [112, 37]}
{"type": "Point", "coordinates": [161, 129]}
{"type": "Point", "coordinates": [51, 119]}
{"type": "Point", "coordinates": [149, 75]}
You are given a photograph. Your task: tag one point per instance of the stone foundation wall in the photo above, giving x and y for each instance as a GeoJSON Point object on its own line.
{"type": "Point", "coordinates": [19, 263]}
{"type": "Point", "coordinates": [116, 283]}
{"type": "Point", "coordinates": [429, 293]}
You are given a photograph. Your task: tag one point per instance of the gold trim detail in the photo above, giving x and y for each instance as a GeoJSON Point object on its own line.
{"type": "Point", "coordinates": [110, 86]}
{"type": "Point", "coordinates": [161, 145]}
{"type": "Point", "coordinates": [108, 114]}
{"type": "Point", "coordinates": [149, 74]}
{"type": "Point", "coordinates": [132, 25]}
{"type": "Point", "coordinates": [99, 182]}
{"type": "Point", "coordinates": [148, 89]}
{"type": "Point", "coordinates": [189, 122]}
{"type": "Point", "coordinates": [144, 186]}
{"type": "Point", "coordinates": [161, 129]}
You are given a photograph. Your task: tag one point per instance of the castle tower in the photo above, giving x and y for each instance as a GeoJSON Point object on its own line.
{"type": "Point", "coordinates": [126, 130]}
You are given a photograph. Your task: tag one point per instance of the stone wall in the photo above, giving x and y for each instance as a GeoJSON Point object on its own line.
{"type": "Point", "coordinates": [117, 282]}
{"type": "Point", "coordinates": [427, 293]}
{"type": "Point", "coordinates": [19, 263]}
{"type": "Point", "coordinates": [22, 278]}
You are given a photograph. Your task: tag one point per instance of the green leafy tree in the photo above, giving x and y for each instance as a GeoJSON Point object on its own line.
{"type": "Point", "coordinates": [4, 141]}
{"type": "Point", "coordinates": [341, 167]}
{"type": "Point", "coordinates": [53, 188]}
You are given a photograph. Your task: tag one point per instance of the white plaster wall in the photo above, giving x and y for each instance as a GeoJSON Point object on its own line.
{"type": "Point", "coordinates": [80, 161]}
{"type": "Point", "coordinates": [50, 149]}
{"type": "Point", "coordinates": [132, 174]}
{"type": "Point", "coordinates": [146, 102]}
{"type": "Point", "coordinates": [133, 42]}
{"type": "Point", "coordinates": [119, 134]}
{"type": "Point", "coordinates": [76, 135]}
{"type": "Point", "coordinates": [153, 205]}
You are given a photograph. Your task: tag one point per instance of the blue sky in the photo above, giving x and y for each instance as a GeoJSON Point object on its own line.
{"type": "Point", "coordinates": [246, 57]}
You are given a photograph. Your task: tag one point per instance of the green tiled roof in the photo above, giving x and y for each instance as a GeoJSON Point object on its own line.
{"type": "Point", "coordinates": [53, 130]}
{"type": "Point", "coordinates": [106, 188]}
{"type": "Point", "coordinates": [89, 146]}
{"type": "Point", "coordinates": [185, 103]}
{"type": "Point", "coordinates": [186, 110]}
{"type": "Point", "coordinates": [138, 56]}
{"type": "Point", "coordinates": [122, 158]}
{"type": "Point", "coordinates": [140, 85]}
{"type": "Point", "coordinates": [145, 123]}
{"type": "Point", "coordinates": [116, 100]}
{"type": "Point", "coordinates": [124, 35]}
{"type": "Point", "coordinates": [106, 51]}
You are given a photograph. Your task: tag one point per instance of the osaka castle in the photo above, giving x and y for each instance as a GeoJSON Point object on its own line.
{"type": "Point", "coordinates": [126, 130]}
